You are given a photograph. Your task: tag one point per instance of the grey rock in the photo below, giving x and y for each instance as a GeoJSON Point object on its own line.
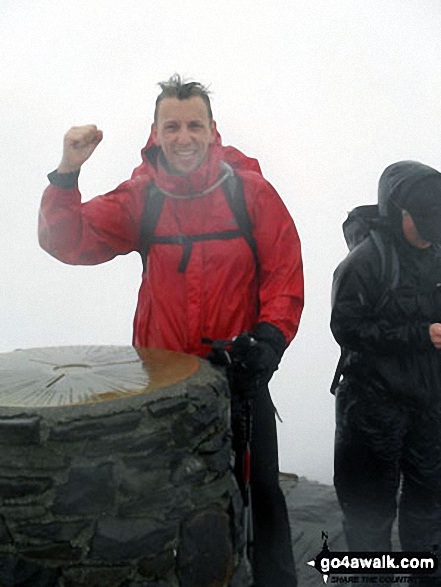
{"type": "Point", "coordinates": [21, 431]}
{"type": "Point", "coordinates": [89, 490]}
{"type": "Point", "coordinates": [159, 566]}
{"type": "Point", "coordinates": [118, 539]}
{"type": "Point", "coordinates": [16, 571]}
{"type": "Point", "coordinates": [167, 406]}
{"type": "Point", "coordinates": [205, 554]}
{"type": "Point", "coordinates": [95, 427]}
{"type": "Point", "coordinates": [150, 441]}
{"type": "Point", "coordinates": [5, 535]}
{"type": "Point", "coordinates": [18, 487]}
{"type": "Point", "coordinates": [54, 553]}
{"type": "Point", "coordinates": [54, 531]}
{"type": "Point", "coordinates": [91, 576]}
{"type": "Point", "coordinates": [191, 470]}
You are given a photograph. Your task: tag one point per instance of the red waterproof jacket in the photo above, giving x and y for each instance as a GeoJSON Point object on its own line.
{"type": "Point", "coordinates": [220, 294]}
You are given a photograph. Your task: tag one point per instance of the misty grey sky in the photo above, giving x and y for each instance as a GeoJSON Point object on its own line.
{"type": "Point", "coordinates": [324, 93]}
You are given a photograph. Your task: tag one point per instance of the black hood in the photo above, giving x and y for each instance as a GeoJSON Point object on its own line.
{"type": "Point", "coordinates": [415, 187]}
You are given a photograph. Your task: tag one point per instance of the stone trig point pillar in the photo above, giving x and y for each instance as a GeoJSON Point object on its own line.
{"type": "Point", "coordinates": [115, 471]}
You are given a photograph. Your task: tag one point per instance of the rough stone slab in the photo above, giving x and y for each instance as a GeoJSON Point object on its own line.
{"type": "Point", "coordinates": [148, 443]}
{"type": "Point", "coordinates": [32, 458]}
{"type": "Point", "coordinates": [77, 576]}
{"type": "Point", "coordinates": [214, 443]}
{"type": "Point", "coordinates": [16, 571]}
{"type": "Point", "coordinates": [145, 484]}
{"type": "Point", "coordinates": [119, 539]}
{"type": "Point", "coordinates": [21, 431]}
{"type": "Point", "coordinates": [220, 461]}
{"type": "Point", "coordinates": [89, 490]}
{"type": "Point", "coordinates": [205, 554]}
{"type": "Point", "coordinates": [18, 487]}
{"type": "Point", "coordinates": [158, 567]}
{"type": "Point", "coordinates": [95, 427]}
{"type": "Point", "coordinates": [168, 406]}
{"type": "Point", "coordinates": [5, 536]}
{"type": "Point", "coordinates": [14, 512]}
{"type": "Point", "coordinates": [218, 492]}
{"type": "Point", "coordinates": [191, 470]}
{"type": "Point", "coordinates": [155, 583]}
{"type": "Point", "coordinates": [162, 500]}
{"type": "Point", "coordinates": [54, 531]}
{"type": "Point", "coordinates": [54, 553]}
{"type": "Point", "coordinates": [202, 394]}
{"type": "Point", "coordinates": [160, 456]}
{"type": "Point", "coordinates": [193, 428]}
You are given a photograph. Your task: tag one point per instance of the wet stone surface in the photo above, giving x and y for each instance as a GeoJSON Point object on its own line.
{"type": "Point", "coordinates": [121, 490]}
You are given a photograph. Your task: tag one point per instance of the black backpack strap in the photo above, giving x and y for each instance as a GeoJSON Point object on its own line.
{"type": "Point", "coordinates": [233, 188]}
{"type": "Point", "coordinates": [389, 267]}
{"type": "Point", "coordinates": [338, 370]}
{"type": "Point", "coordinates": [154, 200]}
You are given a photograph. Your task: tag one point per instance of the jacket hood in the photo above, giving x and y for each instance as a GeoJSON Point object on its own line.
{"type": "Point", "coordinates": [151, 166]}
{"type": "Point", "coordinates": [416, 188]}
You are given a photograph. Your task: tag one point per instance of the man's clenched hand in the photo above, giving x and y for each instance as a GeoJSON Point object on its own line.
{"type": "Point", "coordinates": [79, 144]}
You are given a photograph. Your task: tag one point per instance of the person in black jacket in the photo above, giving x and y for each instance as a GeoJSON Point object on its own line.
{"type": "Point", "coordinates": [388, 400]}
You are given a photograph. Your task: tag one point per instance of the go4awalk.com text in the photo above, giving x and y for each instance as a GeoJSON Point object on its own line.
{"type": "Point", "coordinates": [377, 567]}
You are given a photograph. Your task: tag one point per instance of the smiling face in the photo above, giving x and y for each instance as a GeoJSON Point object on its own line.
{"type": "Point", "coordinates": [184, 131]}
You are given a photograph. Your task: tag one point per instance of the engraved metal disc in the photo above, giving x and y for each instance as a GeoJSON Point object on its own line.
{"type": "Point", "coordinates": [61, 376]}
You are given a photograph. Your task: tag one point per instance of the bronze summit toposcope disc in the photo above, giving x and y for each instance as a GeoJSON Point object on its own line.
{"type": "Point", "coordinates": [77, 375]}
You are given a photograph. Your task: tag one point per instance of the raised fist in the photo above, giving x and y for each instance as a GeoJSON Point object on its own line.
{"type": "Point", "coordinates": [79, 144]}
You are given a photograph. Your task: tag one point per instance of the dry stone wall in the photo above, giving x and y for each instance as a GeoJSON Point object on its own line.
{"type": "Point", "coordinates": [132, 492]}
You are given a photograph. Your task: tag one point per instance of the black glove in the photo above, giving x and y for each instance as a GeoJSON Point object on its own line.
{"type": "Point", "coordinates": [264, 357]}
{"type": "Point", "coordinates": [255, 357]}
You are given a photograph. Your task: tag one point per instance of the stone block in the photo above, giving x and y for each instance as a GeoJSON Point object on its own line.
{"type": "Point", "coordinates": [159, 566]}
{"type": "Point", "coordinates": [102, 576]}
{"type": "Point", "coordinates": [89, 490]}
{"type": "Point", "coordinates": [53, 531]}
{"type": "Point", "coordinates": [19, 487]}
{"type": "Point", "coordinates": [16, 512]}
{"type": "Point", "coordinates": [18, 572]}
{"type": "Point", "coordinates": [52, 553]}
{"type": "Point", "coordinates": [145, 442]}
{"type": "Point", "coordinates": [220, 461]}
{"type": "Point", "coordinates": [168, 406]}
{"type": "Point", "coordinates": [165, 501]}
{"type": "Point", "coordinates": [119, 539]}
{"type": "Point", "coordinates": [24, 430]}
{"type": "Point", "coordinates": [191, 470]}
{"type": "Point", "coordinates": [160, 457]}
{"type": "Point", "coordinates": [205, 554]}
{"type": "Point", "coordinates": [5, 535]}
{"type": "Point", "coordinates": [95, 427]}
{"type": "Point", "coordinates": [31, 458]}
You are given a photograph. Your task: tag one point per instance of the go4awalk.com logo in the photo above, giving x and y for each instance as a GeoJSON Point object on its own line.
{"type": "Point", "coordinates": [376, 567]}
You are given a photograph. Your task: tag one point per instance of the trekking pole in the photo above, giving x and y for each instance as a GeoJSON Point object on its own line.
{"type": "Point", "coordinates": [232, 353]}
{"type": "Point", "coordinates": [248, 508]}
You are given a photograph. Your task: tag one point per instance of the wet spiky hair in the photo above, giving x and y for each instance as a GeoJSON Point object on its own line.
{"type": "Point", "coordinates": [176, 87]}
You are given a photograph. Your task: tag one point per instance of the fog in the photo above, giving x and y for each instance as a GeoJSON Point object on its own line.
{"type": "Point", "coordinates": [324, 93]}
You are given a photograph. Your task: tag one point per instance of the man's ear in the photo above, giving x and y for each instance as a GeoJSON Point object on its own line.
{"type": "Point", "coordinates": [154, 131]}
{"type": "Point", "coordinates": [213, 131]}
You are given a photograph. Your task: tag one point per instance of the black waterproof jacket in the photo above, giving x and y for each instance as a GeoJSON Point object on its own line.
{"type": "Point", "coordinates": [388, 349]}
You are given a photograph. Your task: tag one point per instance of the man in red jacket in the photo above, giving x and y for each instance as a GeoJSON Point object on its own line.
{"type": "Point", "coordinates": [201, 281]}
